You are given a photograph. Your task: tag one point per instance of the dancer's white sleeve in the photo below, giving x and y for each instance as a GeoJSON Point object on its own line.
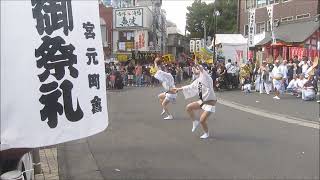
{"type": "Point", "coordinates": [166, 79]}
{"type": "Point", "coordinates": [190, 90]}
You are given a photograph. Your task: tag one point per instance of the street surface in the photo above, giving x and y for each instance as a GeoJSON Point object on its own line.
{"type": "Point", "coordinates": [139, 144]}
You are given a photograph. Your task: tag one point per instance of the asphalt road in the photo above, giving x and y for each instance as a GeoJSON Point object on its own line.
{"type": "Point", "coordinates": [139, 144]}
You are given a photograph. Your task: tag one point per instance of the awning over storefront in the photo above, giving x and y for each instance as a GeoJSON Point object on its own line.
{"type": "Point", "coordinates": [292, 33]}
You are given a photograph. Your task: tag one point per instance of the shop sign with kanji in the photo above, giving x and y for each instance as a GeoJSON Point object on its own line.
{"type": "Point", "coordinates": [129, 18]}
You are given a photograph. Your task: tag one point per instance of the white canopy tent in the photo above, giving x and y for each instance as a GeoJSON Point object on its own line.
{"type": "Point", "coordinates": [232, 46]}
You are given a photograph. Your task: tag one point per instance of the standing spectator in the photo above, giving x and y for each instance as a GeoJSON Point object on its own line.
{"type": "Point", "coordinates": [173, 72]}
{"type": "Point", "coordinates": [108, 73]}
{"type": "Point", "coordinates": [265, 80]}
{"type": "Point", "coordinates": [229, 73]}
{"type": "Point", "coordinates": [153, 71]}
{"type": "Point", "coordinates": [304, 65]}
{"type": "Point", "coordinates": [147, 75]}
{"type": "Point", "coordinates": [290, 67]}
{"type": "Point", "coordinates": [214, 74]}
{"type": "Point", "coordinates": [285, 70]}
{"type": "Point", "coordinates": [279, 76]}
{"type": "Point", "coordinates": [138, 73]}
{"type": "Point", "coordinates": [130, 71]}
{"type": "Point", "coordinates": [113, 79]}
{"type": "Point", "coordinates": [237, 69]}
{"type": "Point", "coordinates": [296, 62]}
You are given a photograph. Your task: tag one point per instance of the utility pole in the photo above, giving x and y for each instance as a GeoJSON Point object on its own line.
{"type": "Point", "coordinates": [205, 31]}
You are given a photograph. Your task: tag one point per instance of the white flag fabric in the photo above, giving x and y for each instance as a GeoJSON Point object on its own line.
{"type": "Point", "coordinates": [270, 16]}
{"type": "Point", "coordinates": [52, 72]}
{"type": "Point", "coordinates": [252, 27]}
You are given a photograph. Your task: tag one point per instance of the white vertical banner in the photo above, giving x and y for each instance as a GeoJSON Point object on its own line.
{"type": "Point", "coordinates": [252, 27]}
{"type": "Point", "coordinates": [52, 72]}
{"type": "Point", "coordinates": [271, 20]}
{"type": "Point", "coordinates": [192, 46]}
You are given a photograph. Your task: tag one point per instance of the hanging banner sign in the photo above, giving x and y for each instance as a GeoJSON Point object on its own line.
{"type": "Point", "coordinates": [53, 82]}
{"type": "Point", "coordinates": [252, 27]}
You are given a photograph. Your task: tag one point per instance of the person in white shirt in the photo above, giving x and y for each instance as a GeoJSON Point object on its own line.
{"type": "Point", "coordinates": [308, 91]}
{"type": "Point", "coordinates": [265, 80]}
{"type": "Point", "coordinates": [284, 68]}
{"type": "Point", "coordinates": [293, 85]}
{"type": "Point", "coordinates": [304, 65]}
{"type": "Point", "coordinates": [168, 84]}
{"type": "Point", "coordinates": [279, 76]}
{"type": "Point", "coordinates": [300, 83]}
{"type": "Point", "coordinates": [202, 87]}
{"type": "Point", "coordinates": [229, 70]}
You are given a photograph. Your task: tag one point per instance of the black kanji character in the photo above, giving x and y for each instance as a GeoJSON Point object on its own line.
{"type": "Point", "coordinates": [96, 105]}
{"type": "Point", "coordinates": [94, 80]}
{"type": "Point", "coordinates": [71, 115]}
{"type": "Point", "coordinates": [91, 54]}
{"type": "Point", "coordinates": [89, 30]}
{"type": "Point", "coordinates": [124, 21]}
{"type": "Point", "coordinates": [52, 15]}
{"type": "Point", "coordinates": [56, 56]}
{"type": "Point", "coordinates": [133, 21]}
{"type": "Point", "coordinates": [51, 108]}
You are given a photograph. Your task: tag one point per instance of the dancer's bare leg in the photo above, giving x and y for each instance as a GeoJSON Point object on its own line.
{"type": "Point", "coordinates": [190, 109]}
{"type": "Point", "coordinates": [203, 121]}
{"type": "Point", "coordinates": [161, 97]}
{"type": "Point", "coordinates": [165, 106]}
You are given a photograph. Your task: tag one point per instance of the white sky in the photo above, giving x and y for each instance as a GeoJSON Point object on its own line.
{"type": "Point", "coordinates": [176, 11]}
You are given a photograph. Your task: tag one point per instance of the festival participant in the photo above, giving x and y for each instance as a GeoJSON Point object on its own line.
{"type": "Point", "coordinates": [203, 87]}
{"type": "Point", "coordinates": [279, 76]}
{"type": "Point", "coordinates": [309, 89]}
{"type": "Point", "coordinates": [265, 80]}
{"type": "Point", "coordinates": [168, 83]}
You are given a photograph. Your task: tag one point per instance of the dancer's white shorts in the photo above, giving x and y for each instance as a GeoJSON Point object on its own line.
{"type": "Point", "coordinates": [171, 97]}
{"type": "Point", "coordinates": [207, 107]}
{"type": "Point", "coordinates": [277, 84]}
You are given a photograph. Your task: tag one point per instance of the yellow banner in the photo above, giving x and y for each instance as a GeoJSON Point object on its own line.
{"type": "Point", "coordinates": [122, 57]}
{"type": "Point", "coordinates": [168, 58]}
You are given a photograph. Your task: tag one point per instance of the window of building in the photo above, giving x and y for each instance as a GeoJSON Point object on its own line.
{"type": "Point", "coordinates": [126, 36]}
{"type": "Point", "coordinates": [286, 19]}
{"type": "Point", "coordinates": [260, 27]}
{"type": "Point", "coordinates": [268, 26]}
{"type": "Point", "coordinates": [246, 30]}
{"type": "Point", "coordinates": [261, 3]}
{"type": "Point", "coordinates": [273, 1]}
{"type": "Point", "coordinates": [302, 16]}
{"type": "Point", "coordinates": [249, 4]}
{"type": "Point", "coordinates": [275, 24]}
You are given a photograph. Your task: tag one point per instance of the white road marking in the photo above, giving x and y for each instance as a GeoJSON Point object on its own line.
{"type": "Point", "coordinates": [279, 117]}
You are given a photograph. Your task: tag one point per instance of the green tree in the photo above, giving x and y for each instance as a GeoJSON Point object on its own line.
{"type": "Point", "coordinates": [199, 12]}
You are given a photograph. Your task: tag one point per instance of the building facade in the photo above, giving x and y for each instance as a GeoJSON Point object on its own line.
{"type": "Point", "coordinates": [106, 24]}
{"type": "Point", "coordinates": [295, 26]}
{"type": "Point", "coordinates": [138, 29]}
{"type": "Point", "coordinates": [177, 44]}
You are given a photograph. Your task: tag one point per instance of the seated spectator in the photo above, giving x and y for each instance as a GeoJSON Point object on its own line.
{"type": "Point", "coordinates": [293, 85]}
{"type": "Point", "coordinates": [309, 89]}
{"type": "Point", "coordinates": [247, 85]}
{"type": "Point", "coordinates": [300, 84]}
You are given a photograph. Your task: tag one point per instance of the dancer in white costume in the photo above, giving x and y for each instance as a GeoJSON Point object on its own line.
{"type": "Point", "coordinates": [203, 87]}
{"type": "Point", "coordinates": [168, 84]}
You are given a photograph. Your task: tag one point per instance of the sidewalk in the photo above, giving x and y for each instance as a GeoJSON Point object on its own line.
{"type": "Point", "coordinates": [49, 164]}
{"type": "Point", "coordinates": [288, 105]}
